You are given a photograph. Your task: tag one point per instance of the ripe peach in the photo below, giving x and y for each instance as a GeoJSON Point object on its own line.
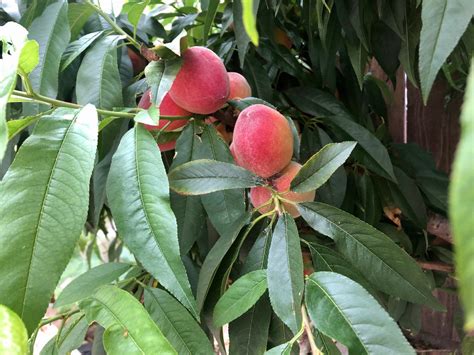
{"type": "Point", "coordinates": [164, 147]}
{"type": "Point", "coordinates": [202, 84]}
{"type": "Point", "coordinates": [239, 86]}
{"type": "Point", "coordinates": [262, 140]}
{"type": "Point", "coordinates": [167, 108]}
{"type": "Point", "coordinates": [260, 195]}
{"type": "Point", "coordinates": [281, 37]}
{"type": "Point", "coordinates": [138, 62]}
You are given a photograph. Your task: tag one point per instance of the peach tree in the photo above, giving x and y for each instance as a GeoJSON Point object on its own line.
{"type": "Point", "coordinates": [213, 176]}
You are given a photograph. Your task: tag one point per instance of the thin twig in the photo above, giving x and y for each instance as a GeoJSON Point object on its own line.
{"type": "Point", "coordinates": [309, 333]}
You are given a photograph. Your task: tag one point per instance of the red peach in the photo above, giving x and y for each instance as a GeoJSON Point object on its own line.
{"type": "Point", "coordinates": [201, 85]}
{"type": "Point", "coordinates": [167, 108]}
{"type": "Point", "coordinates": [164, 147]}
{"type": "Point", "coordinates": [239, 86]}
{"type": "Point", "coordinates": [261, 195]}
{"type": "Point", "coordinates": [262, 140]}
{"type": "Point", "coordinates": [138, 62]}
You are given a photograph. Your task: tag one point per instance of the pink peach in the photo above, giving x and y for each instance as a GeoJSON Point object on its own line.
{"type": "Point", "coordinates": [239, 86]}
{"type": "Point", "coordinates": [167, 108]}
{"type": "Point", "coordinates": [262, 140]}
{"type": "Point", "coordinates": [201, 85]}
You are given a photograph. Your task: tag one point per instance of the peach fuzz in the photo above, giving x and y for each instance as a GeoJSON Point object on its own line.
{"type": "Point", "coordinates": [201, 85]}
{"type": "Point", "coordinates": [167, 108]}
{"type": "Point", "coordinates": [262, 140]}
{"type": "Point", "coordinates": [261, 195]}
{"type": "Point", "coordinates": [239, 86]}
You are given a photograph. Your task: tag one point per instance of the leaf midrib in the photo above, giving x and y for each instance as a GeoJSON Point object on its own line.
{"type": "Point", "coordinates": [43, 203]}
{"type": "Point", "coordinates": [147, 219]}
{"type": "Point", "coordinates": [371, 252]}
{"type": "Point", "coordinates": [130, 333]}
{"type": "Point", "coordinates": [342, 313]}
{"type": "Point", "coordinates": [303, 181]}
{"type": "Point", "coordinates": [435, 46]}
{"type": "Point", "coordinates": [249, 291]}
{"type": "Point", "coordinates": [170, 322]}
{"type": "Point", "coordinates": [48, 44]}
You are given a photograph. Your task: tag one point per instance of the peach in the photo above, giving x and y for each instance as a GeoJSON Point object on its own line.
{"type": "Point", "coordinates": [281, 184]}
{"type": "Point", "coordinates": [201, 85]}
{"type": "Point", "coordinates": [167, 108]}
{"type": "Point", "coordinates": [164, 147]}
{"type": "Point", "coordinates": [281, 37]}
{"type": "Point", "coordinates": [262, 140]}
{"type": "Point", "coordinates": [138, 62]}
{"type": "Point", "coordinates": [239, 86]}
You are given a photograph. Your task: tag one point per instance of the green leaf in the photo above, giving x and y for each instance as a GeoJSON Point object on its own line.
{"type": "Point", "coordinates": [189, 211]}
{"type": "Point", "coordinates": [12, 39]}
{"type": "Point", "coordinates": [136, 12]}
{"type": "Point", "coordinates": [319, 168]}
{"type": "Point", "coordinates": [249, 11]}
{"type": "Point", "coordinates": [215, 257]}
{"type": "Point", "coordinates": [398, 236]}
{"type": "Point", "coordinates": [392, 270]}
{"type": "Point", "coordinates": [241, 37]}
{"type": "Point", "coordinates": [222, 207]}
{"type": "Point", "coordinates": [71, 336]}
{"type": "Point", "coordinates": [203, 176]}
{"type": "Point", "coordinates": [160, 76]}
{"type": "Point", "coordinates": [51, 31]}
{"type": "Point", "coordinates": [76, 48]}
{"type": "Point", "coordinates": [78, 14]}
{"type": "Point", "coordinates": [138, 194]}
{"type": "Point", "coordinates": [334, 190]}
{"type": "Point", "coordinates": [461, 197]}
{"type": "Point", "coordinates": [49, 179]}
{"type": "Point", "coordinates": [374, 154]}
{"type": "Point", "coordinates": [129, 327]}
{"type": "Point", "coordinates": [434, 185]}
{"type": "Point", "coordinates": [321, 104]}
{"type": "Point", "coordinates": [210, 14]}
{"type": "Point", "coordinates": [13, 337]}
{"type": "Point", "coordinates": [249, 333]}
{"type": "Point", "coordinates": [285, 273]}
{"type": "Point", "coordinates": [240, 297]}
{"type": "Point", "coordinates": [410, 41]}
{"type": "Point", "coordinates": [341, 309]}
{"type": "Point", "coordinates": [327, 259]}
{"type": "Point", "coordinates": [444, 23]}
{"type": "Point", "coordinates": [177, 325]}
{"type": "Point", "coordinates": [29, 57]}
{"type": "Point", "coordinates": [317, 102]}
{"type": "Point", "coordinates": [16, 126]}
{"type": "Point", "coordinates": [358, 56]}
{"type": "Point", "coordinates": [408, 198]}
{"type": "Point", "coordinates": [85, 284]}
{"type": "Point", "coordinates": [259, 82]}
{"type": "Point", "coordinates": [98, 79]}
{"type": "Point", "coordinates": [283, 349]}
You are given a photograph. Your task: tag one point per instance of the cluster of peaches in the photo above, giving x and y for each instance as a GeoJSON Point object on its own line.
{"type": "Point", "coordinates": [262, 140]}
